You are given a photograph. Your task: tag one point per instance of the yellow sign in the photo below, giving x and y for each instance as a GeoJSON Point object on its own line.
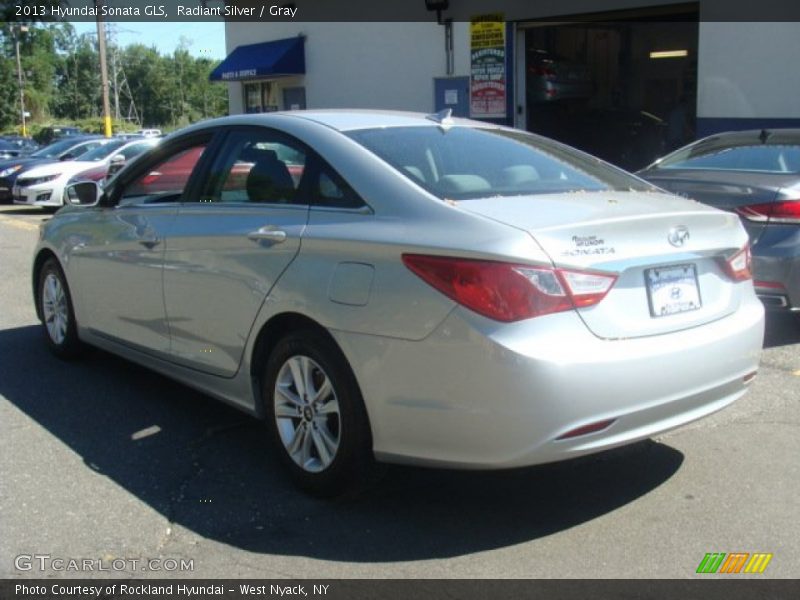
{"type": "Point", "coordinates": [488, 67]}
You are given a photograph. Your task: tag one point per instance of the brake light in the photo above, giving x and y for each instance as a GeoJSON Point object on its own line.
{"type": "Point", "coordinates": [587, 429]}
{"type": "Point", "coordinates": [509, 292]}
{"type": "Point", "coordinates": [784, 211]}
{"type": "Point", "coordinates": [771, 285]}
{"type": "Point", "coordinates": [541, 71]}
{"type": "Point", "coordinates": [738, 266]}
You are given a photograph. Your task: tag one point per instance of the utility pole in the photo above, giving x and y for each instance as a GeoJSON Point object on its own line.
{"type": "Point", "coordinates": [19, 30]}
{"type": "Point", "coordinates": [101, 47]}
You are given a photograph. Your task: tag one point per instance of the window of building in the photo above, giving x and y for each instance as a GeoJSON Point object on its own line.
{"type": "Point", "coordinates": [260, 96]}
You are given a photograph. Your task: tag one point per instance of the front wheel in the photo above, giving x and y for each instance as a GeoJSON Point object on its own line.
{"type": "Point", "coordinates": [58, 316]}
{"type": "Point", "coordinates": [316, 414]}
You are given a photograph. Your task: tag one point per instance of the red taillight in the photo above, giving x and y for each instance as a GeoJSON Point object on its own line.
{"type": "Point", "coordinates": [545, 72]}
{"type": "Point", "coordinates": [509, 292]}
{"type": "Point", "coordinates": [738, 266]}
{"type": "Point", "coordinates": [587, 429]}
{"type": "Point", "coordinates": [784, 211]}
{"type": "Point", "coordinates": [772, 285]}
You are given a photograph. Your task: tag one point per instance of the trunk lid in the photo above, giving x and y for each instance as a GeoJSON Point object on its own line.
{"type": "Point", "coordinates": [628, 234]}
{"type": "Point", "coordinates": [726, 190]}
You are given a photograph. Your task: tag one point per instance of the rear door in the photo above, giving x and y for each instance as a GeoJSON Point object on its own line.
{"type": "Point", "coordinates": [231, 243]}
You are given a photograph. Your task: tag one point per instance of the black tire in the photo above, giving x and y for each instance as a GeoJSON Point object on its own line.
{"type": "Point", "coordinates": [66, 345]}
{"type": "Point", "coordinates": [349, 466]}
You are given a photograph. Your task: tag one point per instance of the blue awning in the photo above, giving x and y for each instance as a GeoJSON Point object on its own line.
{"type": "Point", "coordinates": [268, 59]}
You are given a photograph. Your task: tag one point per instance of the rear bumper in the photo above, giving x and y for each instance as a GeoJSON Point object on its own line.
{"type": "Point", "coordinates": [478, 394]}
{"type": "Point", "coordinates": [776, 267]}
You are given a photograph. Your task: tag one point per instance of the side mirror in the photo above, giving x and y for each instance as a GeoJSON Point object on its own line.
{"type": "Point", "coordinates": [115, 164]}
{"type": "Point", "coordinates": [83, 193]}
{"type": "Point", "coordinates": [67, 156]}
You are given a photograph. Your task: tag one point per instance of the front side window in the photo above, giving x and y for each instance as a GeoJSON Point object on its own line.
{"type": "Point", "coordinates": [459, 163]}
{"type": "Point", "coordinates": [101, 152]}
{"type": "Point", "coordinates": [166, 180]}
{"type": "Point", "coordinates": [135, 149]}
{"type": "Point", "coordinates": [256, 167]}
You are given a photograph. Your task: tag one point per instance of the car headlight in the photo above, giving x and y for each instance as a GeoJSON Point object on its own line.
{"type": "Point", "coordinates": [37, 180]}
{"type": "Point", "coordinates": [10, 170]}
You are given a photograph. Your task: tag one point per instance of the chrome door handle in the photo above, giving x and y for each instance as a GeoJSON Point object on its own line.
{"type": "Point", "coordinates": [267, 233]}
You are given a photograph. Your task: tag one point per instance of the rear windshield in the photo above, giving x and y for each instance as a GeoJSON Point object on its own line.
{"type": "Point", "coordinates": [757, 157]}
{"type": "Point", "coordinates": [459, 163]}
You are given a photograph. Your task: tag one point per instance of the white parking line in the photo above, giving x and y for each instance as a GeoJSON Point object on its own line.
{"type": "Point", "coordinates": [26, 225]}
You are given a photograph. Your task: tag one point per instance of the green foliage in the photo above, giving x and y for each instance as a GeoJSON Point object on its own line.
{"type": "Point", "coordinates": [62, 82]}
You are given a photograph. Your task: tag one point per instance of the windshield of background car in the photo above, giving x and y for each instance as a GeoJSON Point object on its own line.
{"type": "Point", "coordinates": [756, 157]}
{"type": "Point", "coordinates": [103, 151]}
{"type": "Point", "coordinates": [459, 163]}
{"type": "Point", "coordinates": [54, 150]}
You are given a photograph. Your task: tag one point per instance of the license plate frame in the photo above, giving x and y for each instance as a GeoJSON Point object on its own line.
{"type": "Point", "coordinates": [672, 290]}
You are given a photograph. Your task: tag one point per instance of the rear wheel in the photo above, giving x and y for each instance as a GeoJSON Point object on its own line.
{"type": "Point", "coordinates": [58, 316]}
{"type": "Point", "coordinates": [316, 414]}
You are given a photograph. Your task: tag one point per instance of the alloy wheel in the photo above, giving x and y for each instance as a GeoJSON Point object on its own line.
{"type": "Point", "coordinates": [307, 414]}
{"type": "Point", "coordinates": [55, 309]}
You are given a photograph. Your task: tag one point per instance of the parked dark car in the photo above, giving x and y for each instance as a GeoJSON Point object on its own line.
{"type": "Point", "coordinates": [755, 174]}
{"type": "Point", "coordinates": [16, 145]}
{"type": "Point", "coordinates": [65, 149]}
{"type": "Point", "coordinates": [7, 150]}
{"type": "Point", "coordinates": [552, 78]}
{"type": "Point", "coordinates": [50, 134]}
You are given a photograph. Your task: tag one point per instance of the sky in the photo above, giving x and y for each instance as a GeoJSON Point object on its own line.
{"type": "Point", "coordinates": [206, 39]}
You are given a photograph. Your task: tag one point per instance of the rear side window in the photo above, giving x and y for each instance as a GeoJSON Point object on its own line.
{"type": "Point", "coordinates": [459, 163]}
{"type": "Point", "coordinates": [761, 158]}
{"type": "Point", "coordinates": [257, 166]}
{"type": "Point", "coordinates": [330, 190]}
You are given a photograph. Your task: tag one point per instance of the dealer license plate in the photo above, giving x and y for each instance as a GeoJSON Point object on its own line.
{"type": "Point", "coordinates": [672, 290]}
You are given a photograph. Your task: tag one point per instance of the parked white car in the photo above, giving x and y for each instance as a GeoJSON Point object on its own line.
{"type": "Point", "coordinates": [44, 186]}
{"type": "Point", "coordinates": [149, 132]}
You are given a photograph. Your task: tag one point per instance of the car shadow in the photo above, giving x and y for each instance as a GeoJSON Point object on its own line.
{"type": "Point", "coordinates": [781, 329]}
{"type": "Point", "coordinates": [26, 211]}
{"type": "Point", "coordinates": [209, 468]}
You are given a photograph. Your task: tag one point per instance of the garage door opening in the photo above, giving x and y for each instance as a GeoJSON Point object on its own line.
{"type": "Point", "coordinates": [622, 86]}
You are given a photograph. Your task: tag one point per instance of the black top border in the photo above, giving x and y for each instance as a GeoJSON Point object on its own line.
{"type": "Point", "coordinates": [266, 11]}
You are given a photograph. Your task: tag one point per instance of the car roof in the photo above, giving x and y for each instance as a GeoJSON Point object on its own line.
{"type": "Point", "coordinates": [339, 119]}
{"type": "Point", "coordinates": [769, 137]}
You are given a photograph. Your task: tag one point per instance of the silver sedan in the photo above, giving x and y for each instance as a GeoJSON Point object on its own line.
{"type": "Point", "coordinates": [406, 288]}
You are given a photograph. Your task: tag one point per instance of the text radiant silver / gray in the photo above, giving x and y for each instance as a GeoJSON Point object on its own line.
{"type": "Point", "coordinates": [418, 289]}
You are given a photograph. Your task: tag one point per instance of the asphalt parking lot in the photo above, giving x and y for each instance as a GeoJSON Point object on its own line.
{"type": "Point", "coordinates": [102, 459]}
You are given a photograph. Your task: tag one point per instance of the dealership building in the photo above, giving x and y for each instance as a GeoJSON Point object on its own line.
{"type": "Point", "coordinates": [591, 73]}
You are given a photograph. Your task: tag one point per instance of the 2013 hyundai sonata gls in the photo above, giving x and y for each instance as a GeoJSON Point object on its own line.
{"type": "Point", "coordinates": [412, 288]}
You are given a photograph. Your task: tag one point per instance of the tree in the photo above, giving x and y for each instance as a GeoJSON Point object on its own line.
{"type": "Point", "coordinates": [61, 76]}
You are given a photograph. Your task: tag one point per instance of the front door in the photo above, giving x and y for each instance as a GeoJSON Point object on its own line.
{"type": "Point", "coordinates": [120, 260]}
